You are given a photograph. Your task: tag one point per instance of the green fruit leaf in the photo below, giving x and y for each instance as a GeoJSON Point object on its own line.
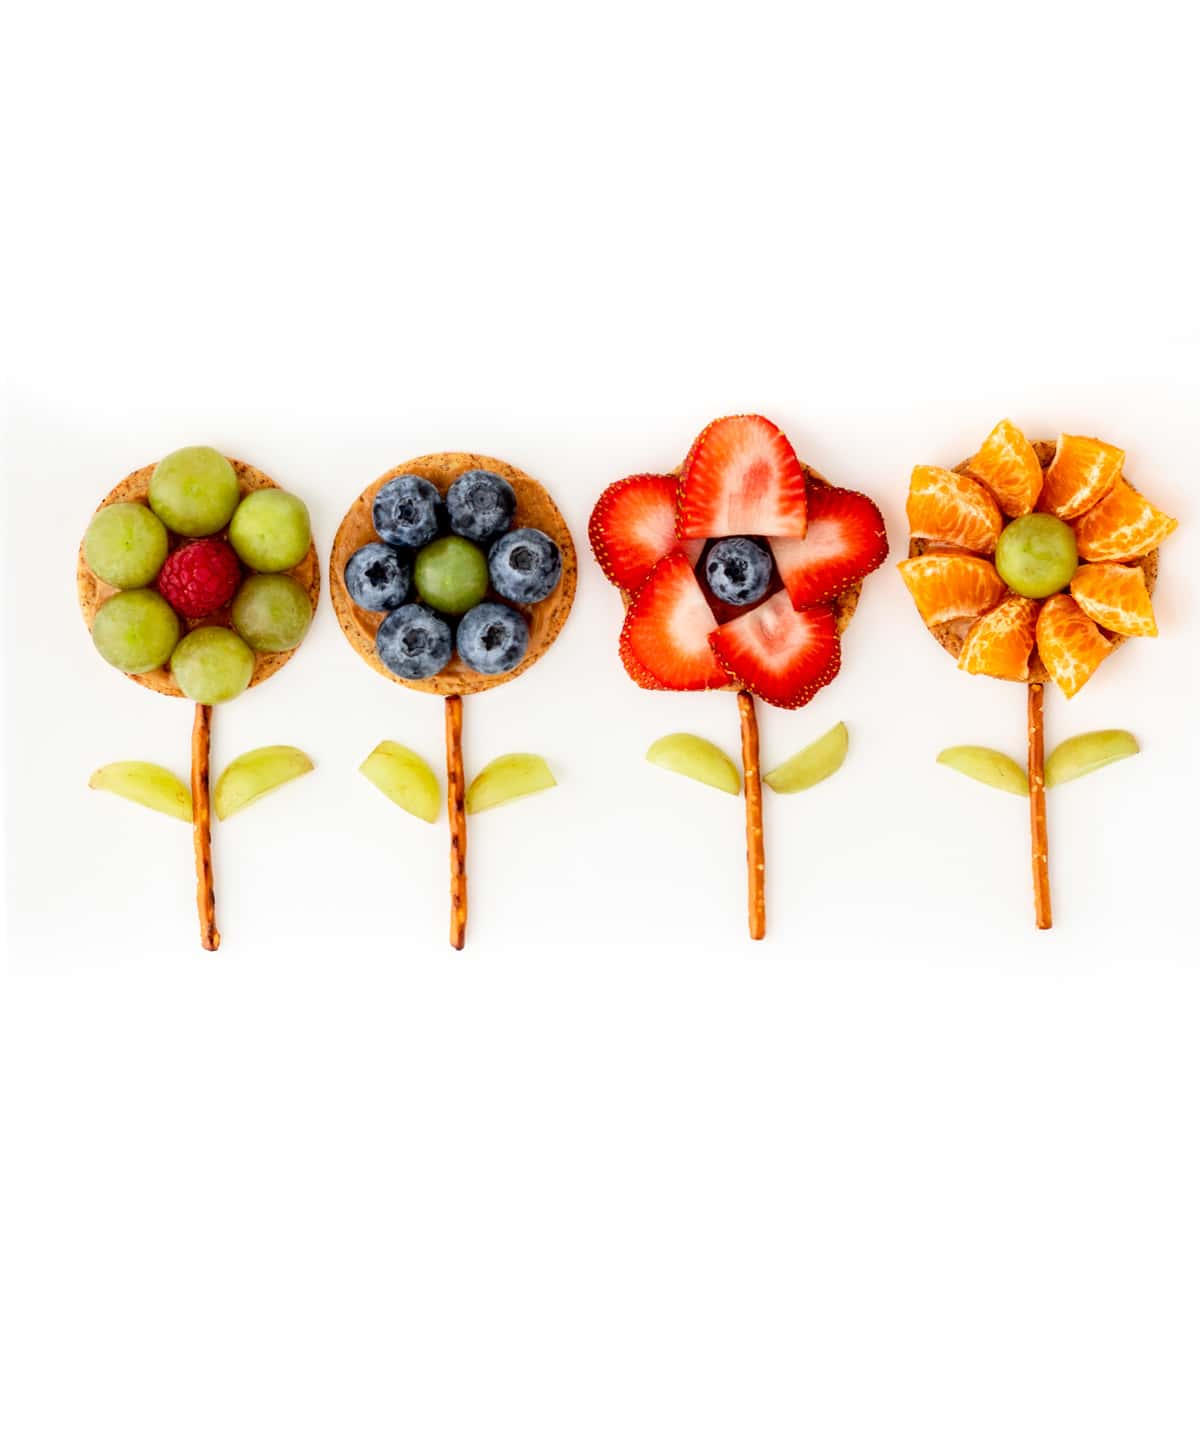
{"type": "Point", "coordinates": [812, 764]}
{"type": "Point", "coordinates": [697, 758]}
{"type": "Point", "coordinates": [1080, 755]}
{"type": "Point", "coordinates": [514, 775]}
{"type": "Point", "coordinates": [405, 779]}
{"type": "Point", "coordinates": [147, 784]}
{"type": "Point", "coordinates": [254, 774]}
{"type": "Point", "coordinates": [988, 766]}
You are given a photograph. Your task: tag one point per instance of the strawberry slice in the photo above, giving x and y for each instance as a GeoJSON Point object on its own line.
{"type": "Point", "coordinates": [666, 630]}
{"type": "Point", "coordinates": [742, 478]}
{"type": "Point", "coordinates": [783, 656]}
{"type": "Point", "coordinates": [632, 526]}
{"type": "Point", "coordinates": [845, 541]}
{"type": "Point", "coordinates": [635, 669]}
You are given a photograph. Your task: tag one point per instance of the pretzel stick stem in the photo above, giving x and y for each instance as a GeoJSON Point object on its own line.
{"type": "Point", "coordinates": [456, 806]}
{"type": "Point", "coordinates": [206, 906]}
{"type": "Point", "coordinates": [755, 861]}
{"type": "Point", "coordinates": [1037, 807]}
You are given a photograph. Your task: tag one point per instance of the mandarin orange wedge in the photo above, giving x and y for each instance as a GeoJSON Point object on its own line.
{"type": "Point", "coordinates": [944, 506]}
{"type": "Point", "coordinates": [1069, 643]}
{"type": "Point", "coordinates": [1082, 473]}
{"type": "Point", "coordinates": [1008, 466]}
{"type": "Point", "coordinates": [1122, 526]}
{"type": "Point", "coordinates": [946, 585]}
{"type": "Point", "coordinates": [999, 643]}
{"type": "Point", "coordinates": [1116, 598]}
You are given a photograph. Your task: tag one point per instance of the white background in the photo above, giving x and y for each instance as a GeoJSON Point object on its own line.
{"type": "Point", "coordinates": [906, 1170]}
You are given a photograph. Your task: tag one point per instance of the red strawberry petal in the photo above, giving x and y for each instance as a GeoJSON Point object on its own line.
{"type": "Point", "coordinates": [845, 541]}
{"type": "Point", "coordinates": [632, 526]}
{"type": "Point", "coordinates": [742, 478]}
{"type": "Point", "coordinates": [781, 655]}
{"type": "Point", "coordinates": [636, 671]}
{"type": "Point", "coordinates": [667, 628]}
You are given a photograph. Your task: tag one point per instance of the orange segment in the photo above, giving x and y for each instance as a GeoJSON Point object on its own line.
{"type": "Point", "coordinates": [1115, 598]}
{"type": "Point", "coordinates": [1069, 643]}
{"type": "Point", "coordinates": [1122, 526]}
{"type": "Point", "coordinates": [1083, 471]}
{"type": "Point", "coordinates": [999, 643]}
{"type": "Point", "coordinates": [946, 585]}
{"type": "Point", "coordinates": [1008, 466]}
{"type": "Point", "coordinates": [946, 507]}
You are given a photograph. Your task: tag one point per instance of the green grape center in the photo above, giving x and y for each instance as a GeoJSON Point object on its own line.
{"type": "Point", "coordinates": [1036, 555]}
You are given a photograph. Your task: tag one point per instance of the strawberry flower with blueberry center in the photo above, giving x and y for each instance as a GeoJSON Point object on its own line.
{"type": "Point", "coordinates": [1033, 559]}
{"type": "Point", "coordinates": [738, 572]}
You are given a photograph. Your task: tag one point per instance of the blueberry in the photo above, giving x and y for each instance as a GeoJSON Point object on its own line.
{"type": "Point", "coordinates": [738, 570]}
{"type": "Point", "coordinates": [481, 505]}
{"type": "Point", "coordinates": [407, 511]}
{"type": "Point", "coordinates": [378, 577]}
{"type": "Point", "coordinates": [413, 642]}
{"type": "Point", "coordinates": [492, 638]}
{"type": "Point", "coordinates": [524, 565]}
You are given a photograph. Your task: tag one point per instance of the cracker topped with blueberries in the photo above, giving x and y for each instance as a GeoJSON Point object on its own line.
{"type": "Point", "coordinates": [452, 573]}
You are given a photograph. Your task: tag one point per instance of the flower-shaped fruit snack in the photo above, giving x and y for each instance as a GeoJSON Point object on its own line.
{"type": "Point", "coordinates": [1030, 562]}
{"type": "Point", "coordinates": [739, 572]}
{"type": "Point", "coordinates": [197, 577]}
{"type": "Point", "coordinates": [453, 574]}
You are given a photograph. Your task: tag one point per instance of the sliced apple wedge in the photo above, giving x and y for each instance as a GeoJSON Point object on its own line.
{"type": "Point", "coordinates": [986, 765]}
{"type": "Point", "coordinates": [404, 778]}
{"type": "Point", "coordinates": [812, 764]}
{"type": "Point", "coordinates": [506, 778]}
{"type": "Point", "coordinates": [254, 774]}
{"type": "Point", "coordinates": [147, 784]}
{"type": "Point", "coordinates": [697, 758]}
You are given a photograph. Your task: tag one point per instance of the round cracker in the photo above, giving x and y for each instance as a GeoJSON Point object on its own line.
{"type": "Point", "coordinates": [93, 592]}
{"type": "Point", "coordinates": [534, 509]}
{"type": "Point", "coordinates": [951, 635]}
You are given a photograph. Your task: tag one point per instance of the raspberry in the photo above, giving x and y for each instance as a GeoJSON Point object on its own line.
{"type": "Point", "coordinates": [201, 577]}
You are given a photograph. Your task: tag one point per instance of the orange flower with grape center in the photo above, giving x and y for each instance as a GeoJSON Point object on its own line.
{"type": "Point", "coordinates": [1033, 559]}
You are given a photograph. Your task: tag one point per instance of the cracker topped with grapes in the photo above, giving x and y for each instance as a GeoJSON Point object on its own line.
{"type": "Point", "coordinates": [452, 573]}
{"type": "Point", "coordinates": [197, 576]}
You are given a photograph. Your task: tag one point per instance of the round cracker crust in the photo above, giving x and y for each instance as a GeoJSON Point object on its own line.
{"type": "Point", "coordinates": [93, 592]}
{"type": "Point", "coordinates": [951, 635]}
{"type": "Point", "coordinates": [534, 509]}
{"type": "Point", "coordinates": [843, 605]}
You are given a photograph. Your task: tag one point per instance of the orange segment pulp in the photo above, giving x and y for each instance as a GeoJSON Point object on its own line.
{"type": "Point", "coordinates": [946, 585]}
{"type": "Point", "coordinates": [1008, 466]}
{"type": "Point", "coordinates": [999, 643]}
{"type": "Point", "coordinates": [1083, 471]}
{"type": "Point", "coordinates": [1116, 598]}
{"type": "Point", "coordinates": [1069, 643]}
{"type": "Point", "coordinates": [946, 507]}
{"type": "Point", "coordinates": [1122, 526]}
